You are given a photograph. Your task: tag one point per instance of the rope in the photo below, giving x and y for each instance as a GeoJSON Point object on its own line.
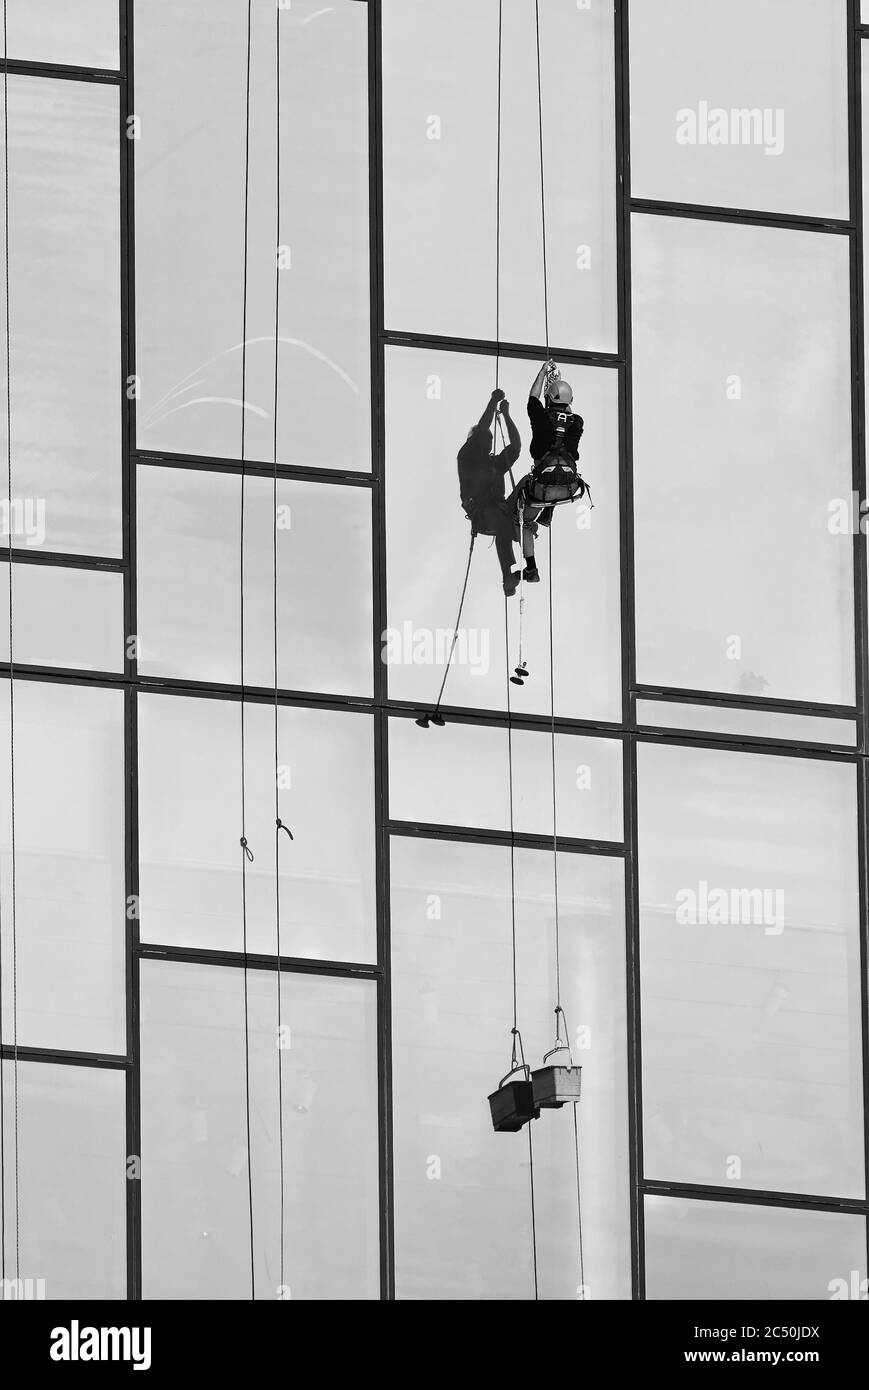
{"type": "Point", "coordinates": [435, 716]}
{"type": "Point", "coordinates": [558, 1008]}
{"type": "Point", "coordinates": [578, 1199]}
{"type": "Point", "coordinates": [512, 841]}
{"type": "Point", "coordinates": [247, 855]}
{"type": "Point", "coordinates": [279, 825]}
{"type": "Point", "coordinates": [533, 1212]}
{"type": "Point", "coordinates": [542, 187]}
{"type": "Point", "coordinates": [8, 334]}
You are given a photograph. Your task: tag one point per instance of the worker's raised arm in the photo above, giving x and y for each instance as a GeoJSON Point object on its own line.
{"type": "Point", "coordinates": [537, 384]}
{"type": "Point", "coordinates": [513, 448]}
{"type": "Point", "coordinates": [488, 415]}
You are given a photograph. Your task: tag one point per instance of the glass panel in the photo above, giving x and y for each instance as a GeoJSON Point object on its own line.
{"type": "Point", "coordinates": [196, 1229]}
{"type": "Point", "coordinates": [742, 460]}
{"type": "Point", "coordinates": [462, 1195]}
{"type": "Point", "coordinates": [64, 240]}
{"type": "Point", "coordinates": [71, 1179]}
{"type": "Point", "coordinates": [440, 154]}
{"type": "Point", "coordinates": [432, 399]}
{"type": "Point", "coordinates": [81, 32]}
{"type": "Point", "coordinates": [752, 1068]}
{"type": "Point", "coordinates": [69, 866]}
{"type": "Point", "coordinates": [64, 617]}
{"type": "Point", "coordinates": [741, 105]}
{"type": "Point", "coordinates": [757, 723]}
{"type": "Point", "coordinates": [721, 1250]}
{"type": "Point", "coordinates": [189, 828]}
{"type": "Point", "coordinates": [189, 337]}
{"type": "Point", "coordinates": [188, 574]}
{"type": "Point", "coordinates": [460, 776]}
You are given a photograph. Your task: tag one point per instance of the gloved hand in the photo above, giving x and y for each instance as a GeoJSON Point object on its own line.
{"type": "Point", "coordinates": [497, 394]}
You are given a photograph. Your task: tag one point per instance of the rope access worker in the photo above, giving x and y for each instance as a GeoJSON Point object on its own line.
{"type": "Point", "coordinates": [554, 447]}
{"type": "Point", "coordinates": [482, 487]}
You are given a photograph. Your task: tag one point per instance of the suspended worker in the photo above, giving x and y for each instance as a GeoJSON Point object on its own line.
{"type": "Point", "coordinates": [481, 483]}
{"type": "Point", "coordinates": [555, 435]}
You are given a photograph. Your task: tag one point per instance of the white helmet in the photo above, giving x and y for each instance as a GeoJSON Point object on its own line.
{"type": "Point", "coordinates": [560, 393]}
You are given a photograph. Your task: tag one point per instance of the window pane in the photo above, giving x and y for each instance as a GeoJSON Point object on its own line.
{"type": "Point", "coordinates": [69, 866]}
{"type": "Point", "coordinates": [432, 399]}
{"type": "Point", "coordinates": [757, 723]}
{"type": "Point", "coordinates": [81, 32]}
{"type": "Point", "coordinates": [741, 105]}
{"type": "Point", "coordinates": [715, 1250]}
{"type": "Point", "coordinates": [191, 98]}
{"type": "Point", "coordinates": [195, 1228]}
{"type": "Point", "coordinates": [460, 777]}
{"type": "Point", "coordinates": [440, 156]}
{"type": "Point", "coordinates": [64, 200]}
{"type": "Point", "coordinates": [188, 572]}
{"type": "Point", "coordinates": [750, 971]}
{"type": "Point", "coordinates": [462, 1197]}
{"type": "Point", "coordinates": [190, 825]}
{"type": "Point", "coordinates": [71, 1178]}
{"type": "Point", "coordinates": [742, 460]}
{"type": "Point", "coordinates": [64, 617]}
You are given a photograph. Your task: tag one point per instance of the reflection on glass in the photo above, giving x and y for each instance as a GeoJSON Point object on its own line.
{"type": "Point", "coordinates": [757, 723]}
{"type": "Point", "coordinates": [462, 1193]}
{"type": "Point", "coordinates": [64, 617]}
{"type": "Point", "coordinates": [190, 95]}
{"type": "Point", "coordinates": [188, 576]}
{"type": "Point", "coordinates": [189, 828]}
{"type": "Point", "coordinates": [440, 137]}
{"type": "Point", "coordinates": [459, 777]}
{"type": "Point", "coordinates": [432, 400]}
{"type": "Point", "coordinates": [71, 1179]}
{"type": "Point", "coordinates": [196, 1229]}
{"type": "Point", "coordinates": [64, 309]}
{"type": "Point", "coordinates": [81, 32]}
{"type": "Point", "coordinates": [718, 1250]}
{"type": "Point", "coordinates": [752, 1071]}
{"type": "Point", "coordinates": [742, 460]}
{"type": "Point", "coordinates": [741, 105]}
{"type": "Point", "coordinates": [69, 866]}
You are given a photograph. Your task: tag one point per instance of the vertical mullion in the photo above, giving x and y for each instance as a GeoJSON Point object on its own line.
{"type": "Point", "coordinates": [858, 484]}
{"type": "Point", "coordinates": [628, 643]}
{"type": "Point", "coordinates": [128, 493]}
{"type": "Point", "coordinates": [378, 550]}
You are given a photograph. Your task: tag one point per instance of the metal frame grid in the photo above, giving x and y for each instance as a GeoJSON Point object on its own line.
{"type": "Point", "coordinates": [382, 708]}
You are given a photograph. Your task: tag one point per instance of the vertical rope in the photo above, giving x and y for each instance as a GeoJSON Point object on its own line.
{"type": "Point", "coordinates": [533, 1212]}
{"type": "Point", "coordinates": [246, 853]}
{"type": "Point", "coordinates": [8, 334]}
{"type": "Point", "coordinates": [542, 186]}
{"type": "Point", "coordinates": [578, 1198]}
{"type": "Point", "coordinates": [278, 822]}
{"type": "Point", "coordinates": [554, 795]}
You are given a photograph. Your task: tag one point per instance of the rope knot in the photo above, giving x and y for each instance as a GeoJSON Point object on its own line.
{"type": "Point", "coordinates": [248, 852]}
{"type": "Point", "coordinates": [279, 825]}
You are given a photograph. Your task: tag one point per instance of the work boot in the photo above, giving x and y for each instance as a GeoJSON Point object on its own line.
{"type": "Point", "coordinates": [532, 573]}
{"type": "Point", "coordinates": [511, 583]}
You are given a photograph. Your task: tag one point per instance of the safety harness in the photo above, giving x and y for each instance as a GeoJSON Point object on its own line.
{"type": "Point", "coordinates": [555, 477]}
